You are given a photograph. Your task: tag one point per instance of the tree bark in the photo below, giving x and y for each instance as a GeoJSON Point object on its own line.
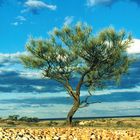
{"type": "Point", "coordinates": [72, 111]}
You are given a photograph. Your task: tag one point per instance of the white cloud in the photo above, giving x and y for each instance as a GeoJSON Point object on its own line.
{"type": "Point", "coordinates": [30, 74]}
{"type": "Point", "coordinates": [96, 2]}
{"type": "Point", "coordinates": [38, 4]}
{"type": "Point", "coordinates": [38, 87]}
{"type": "Point", "coordinates": [21, 18]}
{"type": "Point", "coordinates": [8, 59]}
{"type": "Point", "coordinates": [68, 20]}
{"type": "Point", "coordinates": [135, 47]}
{"type": "Point", "coordinates": [25, 11]}
{"type": "Point", "coordinates": [12, 55]}
{"type": "Point", "coordinates": [92, 3]}
{"type": "Point", "coordinates": [15, 23]}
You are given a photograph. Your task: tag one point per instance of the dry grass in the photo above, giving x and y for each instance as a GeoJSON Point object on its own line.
{"type": "Point", "coordinates": [99, 129]}
{"type": "Point", "coordinates": [104, 123]}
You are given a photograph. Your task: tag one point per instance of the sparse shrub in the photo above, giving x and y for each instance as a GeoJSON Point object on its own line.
{"type": "Point", "coordinates": [13, 117]}
{"type": "Point", "coordinates": [129, 125]}
{"type": "Point", "coordinates": [103, 120]}
{"type": "Point", "coordinates": [64, 123]}
{"type": "Point", "coordinates": [75, 122]}
{"type": "Point", "coordinates": [28, 119]}
{"type": "Point", "coordinates": [23, 119]}
{"type": "Point", "coordinates": [52, 123]}
{"type": "Point", "coordinates": [120, 123]}
{"type": "Point", "coordinates": [34, 119]}
{"type": "Point", "coordinates": [10, 122]}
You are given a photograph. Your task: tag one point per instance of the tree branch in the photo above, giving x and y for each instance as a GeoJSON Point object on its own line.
{"type": "Point", "coordinates": [85, 103]}
{"type": "Point", "coordinates": [81, 80]}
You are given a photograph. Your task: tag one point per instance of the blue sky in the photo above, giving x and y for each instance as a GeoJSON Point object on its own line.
{"type": "Point", "coordinates": [23, 18]}
{"type": "Point", "coordinates": [24, 92]}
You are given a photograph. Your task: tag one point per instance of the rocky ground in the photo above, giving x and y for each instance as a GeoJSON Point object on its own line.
{"type": "Point", "coordinates": [68, 133]}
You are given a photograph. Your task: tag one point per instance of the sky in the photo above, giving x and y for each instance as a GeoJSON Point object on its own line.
{"type": "Point", "coordinates": [21, 19]}
{"type": "Point", "coordinates": [23, 91]}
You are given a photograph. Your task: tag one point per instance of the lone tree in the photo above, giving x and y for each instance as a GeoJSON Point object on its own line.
{"type": "Point", "coordinates": [75, 51]}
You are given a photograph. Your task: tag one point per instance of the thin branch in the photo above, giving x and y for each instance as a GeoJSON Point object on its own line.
{"type": "Point", "coordinates": [81, 80]}
{"type": "Point", "coordinates": [85, 103]}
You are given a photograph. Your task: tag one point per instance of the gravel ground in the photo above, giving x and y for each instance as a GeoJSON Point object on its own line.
{"type": "Point", "coordinates": [67, 133]}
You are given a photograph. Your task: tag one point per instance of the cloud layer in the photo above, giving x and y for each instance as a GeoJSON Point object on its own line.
{"type": "Point", "coordinates": [135, 48]}
{"type": "Point", "coordinates": [68, 20]}
{"type": "Point", "coordinates": [100, 2]}
{"type": "Point", "coordinates": [15, 78]}
{"type": "Point", "coordinates": [25, 92]}
{"type": "Point", "coordinates": [19, 20]}
{"type": "Point", "coordinates": [9, 59]}
{"type": "Point", "coordinates": [92, 3]}
{"type": "Point", "coordinates": [36, 5]}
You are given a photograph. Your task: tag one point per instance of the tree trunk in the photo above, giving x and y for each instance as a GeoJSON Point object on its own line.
{"type": "Point", "coordinates": [72, 112]}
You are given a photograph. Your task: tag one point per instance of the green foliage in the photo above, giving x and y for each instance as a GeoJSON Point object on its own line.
{"type": "Point", "coordinates": [75, 50]}
{"type": "Point", "coordinates": [76, 122]}
{"type": "Point", "coordinates": [29, 119]}
{"type": "Point", "coordinates": [13, 117]}
{"type": "Point", "coordinates": [18, 118]}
